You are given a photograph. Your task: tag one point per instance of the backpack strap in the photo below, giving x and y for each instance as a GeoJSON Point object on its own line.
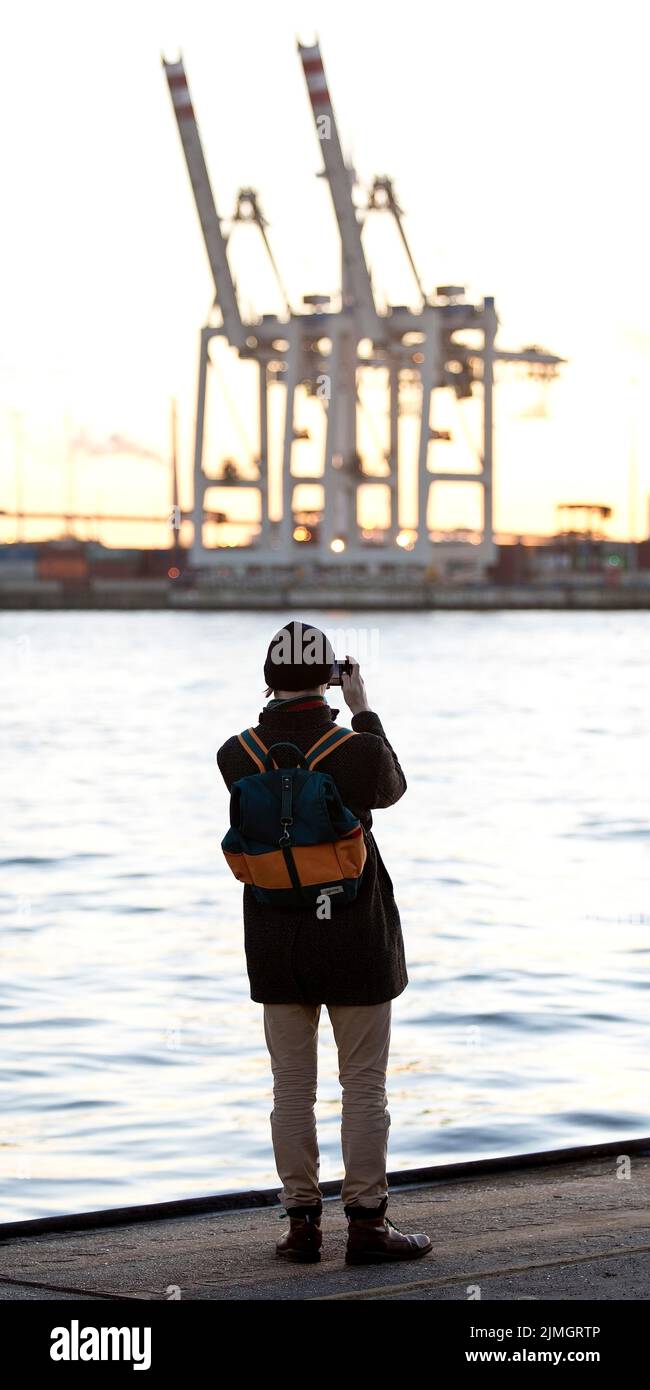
{"type": "Point", "coordinates": [324, 745]}
{"type": "Point", "coordinates": [253, 745]}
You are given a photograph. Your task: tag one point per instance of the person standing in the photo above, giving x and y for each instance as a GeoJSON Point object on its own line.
{"type": "Point", "coordinates": [353, 963]}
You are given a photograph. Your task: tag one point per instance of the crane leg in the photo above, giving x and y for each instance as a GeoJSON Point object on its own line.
{"type": "Point", "coordinates": [199, 477]}
{"type": "Point", "coordinates": [264, 453]}
{"type": "Point", "coordinates": [427, 373]}
{"type": "Point", "coordinates": [330, 479]}
{"type": "Point", "coordinates": [393, 385]}
{"type": "Point", "coordinates": [293, 365]}
{"type": "Point", "coordinates": [490, 329]}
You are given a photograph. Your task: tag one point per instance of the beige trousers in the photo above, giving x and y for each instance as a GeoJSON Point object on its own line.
{"type": "Point", "coordinates": [362, 1036]}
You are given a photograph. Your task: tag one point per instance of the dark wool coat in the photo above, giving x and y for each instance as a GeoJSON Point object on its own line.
{"type": "Point", "coordinates": [357, 957]}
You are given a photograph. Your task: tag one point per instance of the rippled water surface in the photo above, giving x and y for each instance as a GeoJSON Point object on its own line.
{"type": "Point", "coordinates": [133, 1063]}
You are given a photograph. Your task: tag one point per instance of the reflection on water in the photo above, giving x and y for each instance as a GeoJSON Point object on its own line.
{"type": "Point", "coordinates": [134, 1067]}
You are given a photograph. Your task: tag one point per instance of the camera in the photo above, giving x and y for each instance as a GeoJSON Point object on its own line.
{"type": "Point", "coordinates": [339, 668]}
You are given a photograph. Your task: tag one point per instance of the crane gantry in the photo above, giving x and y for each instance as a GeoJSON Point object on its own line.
{"type": "Point", "coordinates": [318, 348]}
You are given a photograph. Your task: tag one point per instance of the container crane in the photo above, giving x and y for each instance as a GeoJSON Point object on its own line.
{"type": "Point", "coordinates": [233, 328]}
{"type": "Point", "coordinates": [322, 349]}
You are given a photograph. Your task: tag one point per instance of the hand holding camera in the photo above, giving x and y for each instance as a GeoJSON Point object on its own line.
{"type": "Point", "coordinates": [348, 676]}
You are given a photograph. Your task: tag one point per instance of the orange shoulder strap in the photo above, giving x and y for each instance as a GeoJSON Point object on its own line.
{"type": "Point", "coordinates": [326, 743]}
{"type": "Point", "coordinates": [254, 746]}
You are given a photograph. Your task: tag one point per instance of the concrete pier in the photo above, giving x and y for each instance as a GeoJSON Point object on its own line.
{"type": "Point", "coordinates": [241, 595]}
{"type": "Point", "coordinates": [571, 1229]}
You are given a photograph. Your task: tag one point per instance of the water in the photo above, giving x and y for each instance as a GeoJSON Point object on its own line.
{"type": "Point", "coordinates": [134, 1067]}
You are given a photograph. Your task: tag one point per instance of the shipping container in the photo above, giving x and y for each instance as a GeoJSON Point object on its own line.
{"type": "Point", "coordinates": [13, 553]}
{"type": "Point", "coordinates": [60, 563]}
{"type": "Point", "coordinates": [17, 569]}
{"type": "Point", "coordinates": [511, 565]}
{"type": "Point", "coordinates": [109, 567]}
{"type": "Point", "coordinates": [157, 563]}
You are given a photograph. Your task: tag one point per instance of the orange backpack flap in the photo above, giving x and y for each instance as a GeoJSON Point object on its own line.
{"type": "Point", "coordinates": [297, 866]}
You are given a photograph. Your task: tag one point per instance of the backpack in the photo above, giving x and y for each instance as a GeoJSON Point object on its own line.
{"type": "Point", "coordinates": [290, 837]}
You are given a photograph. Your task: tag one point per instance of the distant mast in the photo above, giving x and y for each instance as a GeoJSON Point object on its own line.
{"type": "Point", "coordinates": [176, 518]}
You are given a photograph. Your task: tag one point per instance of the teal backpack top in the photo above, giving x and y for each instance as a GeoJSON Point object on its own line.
{"type": "Point", "coordinates": [290, 837]}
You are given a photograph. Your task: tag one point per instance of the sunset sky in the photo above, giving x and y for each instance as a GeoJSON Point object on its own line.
{"type": "Point", "coordinates": [517, 139]}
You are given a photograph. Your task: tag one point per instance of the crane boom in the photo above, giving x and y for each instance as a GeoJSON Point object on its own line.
{"type": "Point", "coordinates": [213, 237]}
{"type": "Point", "coordinates": [356, 274]}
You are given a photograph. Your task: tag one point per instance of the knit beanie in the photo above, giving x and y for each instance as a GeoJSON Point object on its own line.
{"type": "Point", "coordinates": [299, 657]}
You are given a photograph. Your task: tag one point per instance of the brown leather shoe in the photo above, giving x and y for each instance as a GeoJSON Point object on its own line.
{"type": "Point", "coordinates": [303, 1240]}
{"type": "Point", "coordinates": [372, 1237]}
